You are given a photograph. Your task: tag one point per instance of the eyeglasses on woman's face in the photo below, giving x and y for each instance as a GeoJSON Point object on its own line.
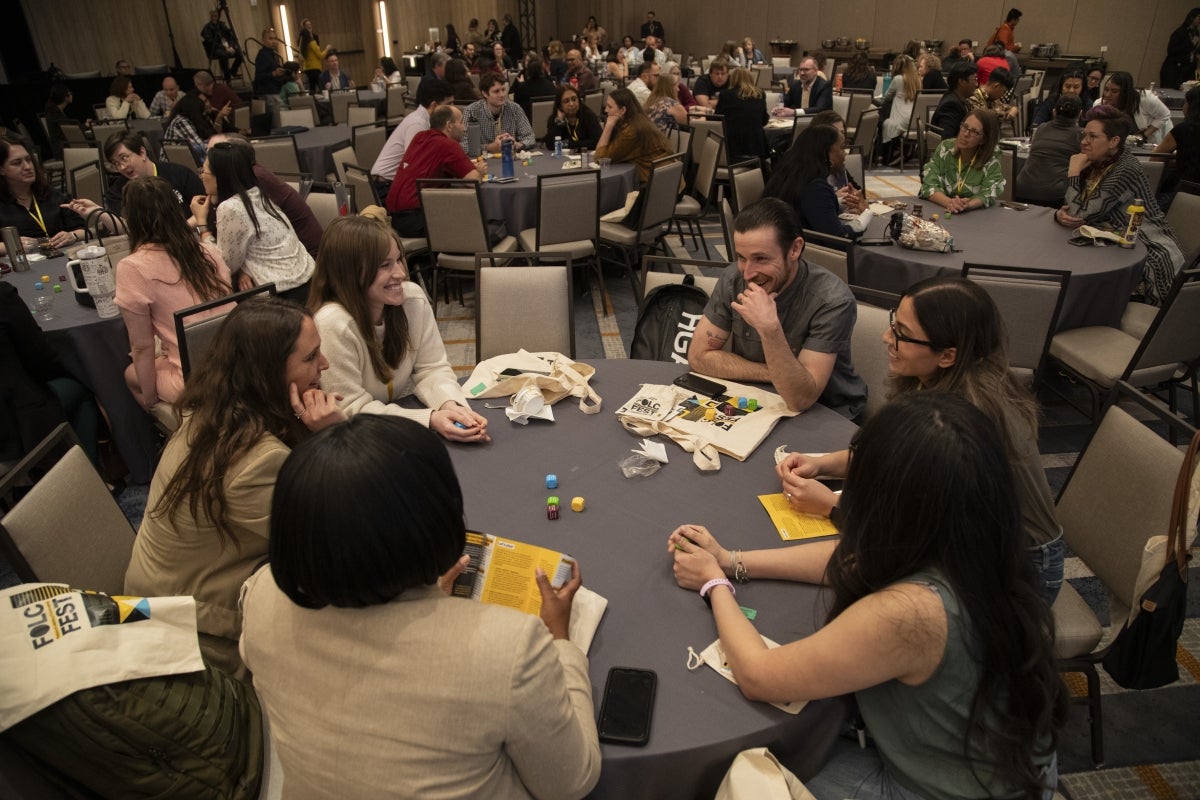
{"type": "Point", "coordinates": [898, 337]}
{"type": "Point", "coordinates": [966, 130]}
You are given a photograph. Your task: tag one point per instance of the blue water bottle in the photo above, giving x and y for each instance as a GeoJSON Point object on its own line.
{"type": "Point", "coordinates": [558, 147]}
{"type": "Point", "coordinates": [506, 158]}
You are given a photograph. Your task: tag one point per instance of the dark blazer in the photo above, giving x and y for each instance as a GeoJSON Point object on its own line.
{"type": "Point", "coordinates": [820, 98]}
{"type": "Point", "coordinates": [948, 115]}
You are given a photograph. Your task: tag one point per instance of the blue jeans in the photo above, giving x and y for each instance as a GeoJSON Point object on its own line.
{"type": "Point", "coordinates": [1048, 564]}
{"type": "Point", "coordinates": [858, 773]}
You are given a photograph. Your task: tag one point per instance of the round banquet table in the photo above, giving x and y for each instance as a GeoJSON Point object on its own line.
{"type": "Point", "coordinates": [315, 148]}
{"type": "Point", "coordinates": [516, 202]}
{"type": "Point", "coordinates": [96, 352]}
{"type": "Point", "coordinates": [700, 720]}
{"type": "Point", "coordinates": [1102, 278]}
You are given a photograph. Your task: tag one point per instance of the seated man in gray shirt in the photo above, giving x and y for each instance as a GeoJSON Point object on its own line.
{"type": "Point", "coordinates": [790, 321]}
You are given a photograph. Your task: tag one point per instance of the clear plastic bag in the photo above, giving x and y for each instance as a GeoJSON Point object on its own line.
{"type": "Point", "coordinates": [638, 465]}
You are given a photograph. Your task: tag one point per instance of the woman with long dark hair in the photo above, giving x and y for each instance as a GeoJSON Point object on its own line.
{"type": "Point", "coordinates": [312, 53]}
{"type": "Point", "coordinates": [948, 336]}
{"type": "Point", "coordinates": [460, 81]}
{"type": "Point", "coordinates": [167, 270]}
{"type": "Point", "coordinates": [1184, 141]}
{"type": "Point", "coordinates": [30, 203]}
{"type": "Point", "coordinates": [381, 335]}
{"type": "Point", "coordinates": [571, 119]}
{"type": "Point", "coordinates": [859, 74]}
{"type": "Point", "coordinates": [253, 397]}
{"type": "Point", "coordinates": [1182, 47]}
{"type": "Point", "coordinates": [935, 623]}
{"type": "Point", "coordinates": [1151, 117]}
{"type": "Point", "coordinates": [123, 101]}
{"type": "Point", "coordinates": [1102, 179]}
{"type": "Point", "coordinates": [255, 238]}
{"type": "Point", "coordinates": [744, 108]}
{"type": "Point", "coordinates": [802, 180]}
{"type": "Point", "coordinates": [629, 136]}
{"type": "Point", "coordinates": [189, 125]}
{"type": "Point", "coordinates": [443, 696]}
{"type": "Point", "coordinates": [964, 173]}
{"type": "Point", "coordinates": [452, 43]}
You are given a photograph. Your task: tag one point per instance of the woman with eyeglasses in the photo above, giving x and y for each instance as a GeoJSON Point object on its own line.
{"type": "Point", "coordinates": [571, 119]}
{"type": "Point", "coordinates": [30, 203]}
{"type": "Point", "coordinates": [964, 173]}
{"type": "Point", "coordinates": [947, 335]}
{"type": "Point", "coordinates": [1102, 180]}
{"type": "Point", "coordinates": [255, 238]}
{"type": "Point", "coordinates": [935, 625]}
{"type": "Point", "coordinates": [168, 270]}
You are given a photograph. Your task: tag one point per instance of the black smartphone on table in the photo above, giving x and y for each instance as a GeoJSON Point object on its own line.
{"type": "Point", "coordinates": [882, 241]}
{"type": "Point", "coordinates": [628, 706]}
{"type": "Point", "coordinates": [694, 383]}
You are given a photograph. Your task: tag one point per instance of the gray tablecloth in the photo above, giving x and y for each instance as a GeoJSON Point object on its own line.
{"type": "Point", "coordinates": [700, 720]}
{"type": "Point", "coordinates": [317, 145]}
{"type": "Point", "coordinates": [516, 203]}
{"type": "Point", "coordinates": [96, 351]}
{"type": "Point", "coordinates": [1101, 277]}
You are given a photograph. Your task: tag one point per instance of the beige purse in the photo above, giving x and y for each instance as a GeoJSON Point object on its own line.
{"type": "Point", "coordinates": [756, 774]}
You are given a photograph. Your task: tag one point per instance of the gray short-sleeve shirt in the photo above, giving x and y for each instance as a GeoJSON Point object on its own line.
{"type": "Point", "coordinates": [817, 312]}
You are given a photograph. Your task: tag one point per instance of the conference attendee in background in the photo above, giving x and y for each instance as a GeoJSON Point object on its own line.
{"type": "Point", "coordinates": [858, 73]}
{"type": "Point", "coordinates": [166, 271]}
{"type": "Point", "coordinates": [503, 706]}
{"type": "Point", "coordinates": [810, 93]}
{"type": "Point", "coordinates": [128, 152]}
{"type": "Point", "coordinates": [707, 89]}
{"type": "Point", "coordinates": [902, 94]}
{"type": "Point", "coordinates": [936, 625]}
{"type": "Point", "coordinates": [291, 86]}
{"type": "Point", "coordinates": [850, 195]}
{"type": "Point", "coordinates": [572, 120]}
{"type": "Point", "coordinates": [430, 96]}
{"type": "Point", "coordinates": [268, 67]}
{"type": "Point", "coordinates": [1182, 49]}
{"type": "Point", "coordinates": [961, 53]}
{"type": "Point", "coordinates": [380, 333]}
{"type": "Point", "coordinates": [452, 43]}
{"type": "Point", "coordinates": [629, 136]}
{"type": "Point", "coordinates": [1151, 117]}
{"type": "Point", "coordinates": [750, 54]}
{"type": "Point", "coordinates": [333, 79]}
{"type": "Point", "coordinates": [1070, 82]}
{"type": "Point", "coordinates": [593, 28]}
{"type": "Point", "coordinates": [388, 73]}
{"type": "Point", "coordinates": [510, 37]}
{"type": "Point", "coordinates": [222, 45]}
{"type": "Point", "coordinates": [498, 118]}
{"type": "Point", "coordinates": [802, 181]}
{"type": "Point", "coordinates": [993, 93]}
{"type": "Point", "coordinates": [312, 54]}
{"type": "Point", "coordinates": [56, 116]}
{"type": "Point", "coordinates": [256, 240]}
{"type": "Point", "coordinates": [30, 203]}
{"type": "Point", "coordinates": [1043, 179]}
{"type": "Point", "coordinates": [1102, 179]}
{"type": "Point", "coordinates": [1184, 141]}
{"type": "Point", "coordinates": [964, 174]}
{"type": "Point", "coordinates": [663, 106]}
{"type": "Point", "coordinates": [436, 72]}
{"type": "Point", "coordinates": [929, 67]}
{"type": "Point", "coordinates": [165, 98]}
{"type": "Point", "coordinates": [460, 81]}
{"type": "Point", "coordinates": [652, 27]}
{"type": "Point", "coordinates": [578, 74]}
{"type": "Point", "coordinates": [952, 108]}
{"type": "Point", "coordinates": [745, 111]}
{"type": "Point", "coordinates": [1091, 90]}
{"type": "Point", "coordinates": [220, 98]}
{"type": "Point", "coordinates": [188, 124]}
{"type": "Point", "coordinates": [123, 101]}
{"type": "Point", "coordinates": [123, 67]}
{"type": "Point", "coordinates": [992, 58]}
{"type": "Point", "coordinates": [253, 397]}
{"type": "Point", "coordinates": [532, 84]}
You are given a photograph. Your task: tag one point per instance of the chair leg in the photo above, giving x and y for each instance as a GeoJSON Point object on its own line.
{"type": "Point", "coordinates": [605, 303]}
{"type": "Point", "coordinates": [1095, 716]}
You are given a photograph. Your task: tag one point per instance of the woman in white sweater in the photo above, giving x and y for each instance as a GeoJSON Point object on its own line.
{"type": "Point", "coordinates": [255, 237]}
{"type": "Point", "coordinates": [380, 335]}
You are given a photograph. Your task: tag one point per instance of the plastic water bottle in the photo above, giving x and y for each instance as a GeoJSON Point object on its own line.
{"type": "Point", "coordinates": [558, 147]}
{"type": "Point", "coordinates": [342, 197]}
{"type": "Point", "coordinates": [43, 304]}
{"type": "Point", "coordinates": [506, 159]}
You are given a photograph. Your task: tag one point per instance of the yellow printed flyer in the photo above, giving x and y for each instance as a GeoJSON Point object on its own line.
{"type": "Point", "coordinates": [794, 525]}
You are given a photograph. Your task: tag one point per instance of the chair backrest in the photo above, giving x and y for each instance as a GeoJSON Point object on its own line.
{"type": "Point", "coordinates": [727, 228]}
{"type": "Point", "coordinates": [196, 337]}
{"type": "Point", "coordinates": [505, 294]}
{"type": "Point", "coordinates": [358, 180]}
{"type": "Point", "coordinates": [1029, 301]}
{"type": "Point", "coordinates": [854, 168]}
{"type": "Point", "coordinates": [360, 115]}
{"type": "Point", "coordinates": [869, 354]}
{"type": "Point", "coordinates": [1185, 210]}
{"type": "Point", "coordinates": [241, 118]}
{"type": "Point", "coordinates": [836, 261]}
{"type": "Point", "coordinates": [339, 103]}
{"type": "Point", "coordinates": [682, 139]}
{"type": "Point", "coordinates": [1154, 172]}
{"type": "Point", "coordinates": [368, 142]}
{"type": "Point", "coordinates": [540, 109]}
{"type": "Point", "coordinates": [102, 130]}
{"type": "Point", "coordinates": [75, 157]}
{"type": "Point", "coordinates": [303, 101]}
{"type": "Point", "coordinates": [1171, 338]}
{"type": "Point", "coordinates": [180, 154]}
{"type": "Point", "coordinates": [67, 528]}
{"type": "Point", "coordinates": [324, 206]}
{"type": "Point", "coordinates": [706, 173]}
{"type": "Point", "coordinates": [412, 82]}
{"type": "Point", "coordinates": [747, 185]}
{"type": "Point", "coordinates": [799, 125]}
{"type": "Point", "coordinates": [99, 110]}
{"type": "Point", "coordinates": [302, 117]}
{"type": "Point", "coordinates": [841, 104]}
{"type": "Point", "coordinates": [87, 182]}
{"type": "Point", "coordinates": [762, 76]}
{"type": "Point", "coordinates": [594, 100]}
{"type": "Point", "coordinates": [1117, 496]}
{"type": "Point", "coordinates": [864, 132]}
{"type": "Point", "coordinates": [453, 216]}
{"type": "Point", "coordinates": [860, 101]}
{"type": "Point", "coordinates": [714, 125]}
{"type": "Point", "coordinates": [258, 105]}
{"type": "Point", "coordinates": [568, 208]}
{"type": "Point", "coordinates": [74, 135]}
{"type": "Point", "coordinates": [277, 153]}
{"type": "Point", "coordinates": [1008, 171]}
{"type": "Point", "coordinates": [660, 190]}
{"type": "Point", "coordinates": [346, 155]}
{"type": "Point", "coordinates": [655, 277]}
{"type": "Point", "coordinates": [924, 101]}
{"type": "Point", "coordinates": [396, 93]}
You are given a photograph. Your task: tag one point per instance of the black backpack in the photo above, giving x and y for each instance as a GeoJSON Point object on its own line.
{"type": "Point", "coordinates": [667, 321]}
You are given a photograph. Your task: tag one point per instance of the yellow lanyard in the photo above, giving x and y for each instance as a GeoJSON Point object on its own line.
{"type": "Point", "coordinates": [389, 391]}
{"type": "Point", "coordinates": [1089, 186]}
{"type": "Point", "coordinates": [958, 187]}
{"type": "Point", "coordinates": [36, 213]}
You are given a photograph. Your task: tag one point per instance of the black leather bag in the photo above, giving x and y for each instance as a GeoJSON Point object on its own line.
{"type": "Point", "coordinates": [1143, 654]}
